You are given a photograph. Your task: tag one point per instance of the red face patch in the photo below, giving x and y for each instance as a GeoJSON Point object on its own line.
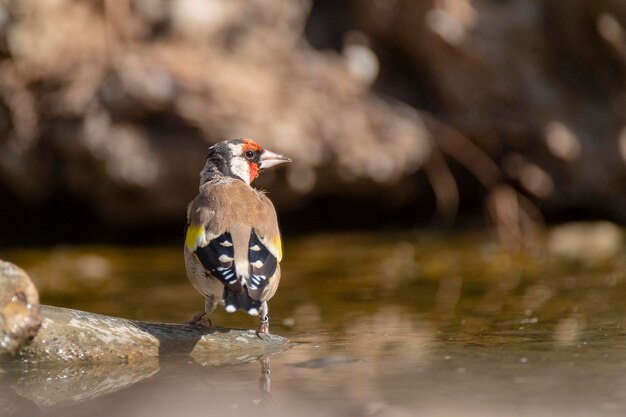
{"type": "Point", "coordinates": [253, 167]}
{"type": "Point", "coordinates": [254, 170]}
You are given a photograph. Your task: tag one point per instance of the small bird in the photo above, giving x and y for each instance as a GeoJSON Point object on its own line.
{"type": "Point", "coordinates": [232, 241]}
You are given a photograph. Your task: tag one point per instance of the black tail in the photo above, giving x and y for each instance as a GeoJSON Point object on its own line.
{"type": "Point", "coordinates": [234, 302]}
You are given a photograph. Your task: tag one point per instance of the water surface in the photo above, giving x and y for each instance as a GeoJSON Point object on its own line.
{"type": "Point", "coordinates": [384, 325]}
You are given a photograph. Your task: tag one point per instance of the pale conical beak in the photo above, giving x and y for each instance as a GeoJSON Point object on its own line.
{"type": "Point", "coordinates": [270, 159]}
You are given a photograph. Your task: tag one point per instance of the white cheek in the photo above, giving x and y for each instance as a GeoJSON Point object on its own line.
{"type": "Point", "coordinates": [240, 168]}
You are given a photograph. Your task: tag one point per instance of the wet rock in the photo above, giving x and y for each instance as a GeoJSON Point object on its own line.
{"type": "Point", "coordinates": [19, 308]}
{"type": "Point", "coordinates": [77, 336]}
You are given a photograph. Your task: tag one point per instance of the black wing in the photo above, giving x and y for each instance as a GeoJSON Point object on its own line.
{"type": "Point", "coordinates": [217, 257]}
{"type": "Point", "coordinates": [262, 263]}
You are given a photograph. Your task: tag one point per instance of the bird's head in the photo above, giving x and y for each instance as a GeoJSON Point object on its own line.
{"type": "Point", "coordinates": [239, 158]}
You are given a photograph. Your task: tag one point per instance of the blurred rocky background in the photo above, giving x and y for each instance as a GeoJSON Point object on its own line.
{"type": "Point", "coordinates": [395, 112]}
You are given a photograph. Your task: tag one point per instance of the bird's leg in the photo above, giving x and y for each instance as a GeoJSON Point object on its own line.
{"type": "Point", "coordinates": [264, 326]}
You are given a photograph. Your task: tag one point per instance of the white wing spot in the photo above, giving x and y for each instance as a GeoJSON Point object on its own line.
{"type": "Point", "coordinates": [257, 264]}
{"type": "Point", "coordinates": [225, 258]}
{"type": "Point", "coordinates": [226, 243]}
{"type": "Point", "coordinates": [255, 248]}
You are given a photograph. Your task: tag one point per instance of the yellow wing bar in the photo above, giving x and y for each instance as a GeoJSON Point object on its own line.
{"type": "Point", "coordinates": [195, 236]}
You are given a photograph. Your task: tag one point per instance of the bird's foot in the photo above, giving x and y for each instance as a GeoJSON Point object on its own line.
{"type": "Point", "coordinates": [264, 327]}
{"type": "Point", "coordinates": [200, 321]}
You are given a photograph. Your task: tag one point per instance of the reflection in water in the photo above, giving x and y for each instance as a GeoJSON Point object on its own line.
{"type": "Point", "coordinates": [569, 330]}
{"type": "Point", "coordinates": [66, 385]}
{"type": "Point", "coordinates": [265, 384]}
{"type": "Point", "coordinates": [62, 389]}
{"type": "Point", "coordinates": [385, 326]}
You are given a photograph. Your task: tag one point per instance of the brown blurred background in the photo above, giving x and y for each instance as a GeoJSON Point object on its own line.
{"type": "Point", "coordinates": [397, 113]}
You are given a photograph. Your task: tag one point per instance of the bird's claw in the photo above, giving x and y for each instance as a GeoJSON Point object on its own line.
{"type": "Point", "coordinates": [200, 321]}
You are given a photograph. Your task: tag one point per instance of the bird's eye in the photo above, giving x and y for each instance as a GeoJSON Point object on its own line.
{"type": "Point", "coordinates": [249, 154]}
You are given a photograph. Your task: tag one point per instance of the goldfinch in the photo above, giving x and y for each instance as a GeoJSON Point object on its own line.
{"type": "Point", "coordinates": [232, 242]}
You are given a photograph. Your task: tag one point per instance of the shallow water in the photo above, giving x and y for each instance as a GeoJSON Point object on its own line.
{"type": "Point", "coordinates": [392, 325]}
